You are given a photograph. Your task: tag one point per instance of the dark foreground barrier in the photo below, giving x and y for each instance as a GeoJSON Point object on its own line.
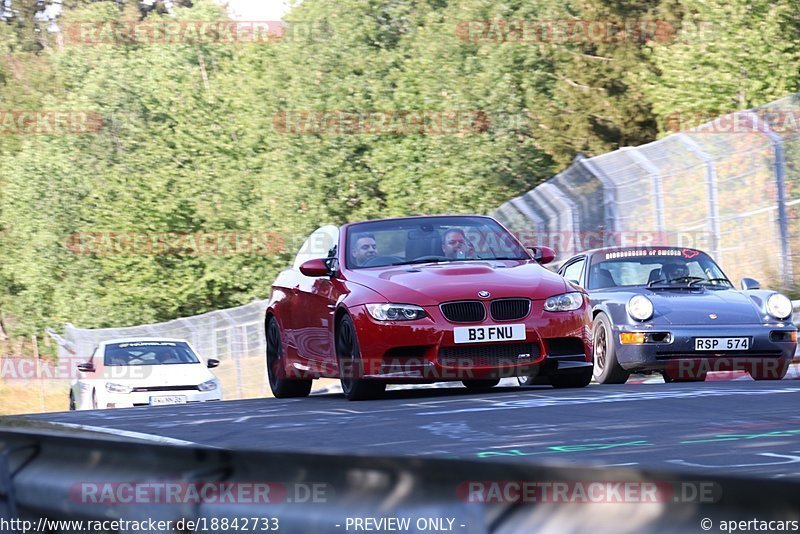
{"type": "Point", "coordinates": [102, 484]}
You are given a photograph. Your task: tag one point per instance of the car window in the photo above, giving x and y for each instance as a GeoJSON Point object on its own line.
{"type": "Point", "coordinates": [320, 244]}
{"type": "Point", "coordinates": [574, 271]}
{"type": "Point", "coordinates": [429, 239]}
{"type": "Point", "coordinates": [149, 353]}
{"type": "Point", "coordinates": [638, 267]}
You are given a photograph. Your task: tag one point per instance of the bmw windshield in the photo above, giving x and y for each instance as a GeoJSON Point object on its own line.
{"type": "Point", "coordinates": [429, 239]}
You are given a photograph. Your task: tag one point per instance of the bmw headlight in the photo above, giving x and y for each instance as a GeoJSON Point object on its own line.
{"type": "Point", "coordinates": [779, 306]}
{"type": "Point", "coordinates": [564, 302]}
{"type": "Point", "coordinates": [640, 308]}
{"type": "Point", "coordinates": [118, 388]}
{"type": "Point", "coordinates": [208, 385]}
{"type": "Point", "coordinates": [395, 312]}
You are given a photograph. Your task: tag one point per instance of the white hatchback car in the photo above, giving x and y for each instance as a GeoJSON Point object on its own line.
{"type": "Point", "coordinates": [123, 373]}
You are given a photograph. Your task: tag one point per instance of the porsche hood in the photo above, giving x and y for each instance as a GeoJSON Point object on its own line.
{"type": "Point", "coordinates": [676, 306]}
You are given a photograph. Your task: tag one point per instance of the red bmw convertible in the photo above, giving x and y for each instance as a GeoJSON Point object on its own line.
{"type": "Point", "coordinates": [423, 300]}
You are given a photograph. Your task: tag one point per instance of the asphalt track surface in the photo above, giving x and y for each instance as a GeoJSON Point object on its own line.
{"type": "Point", "coordinates": [741, 428]}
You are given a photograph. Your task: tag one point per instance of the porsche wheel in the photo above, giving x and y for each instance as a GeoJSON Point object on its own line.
{"type": "Point", "coordinates": [606, 367]}
{"type": "Point", "coordinates": [579, 379]}
{"type": "Point", "coordinates": [281, 386]}
{"type": "Point", "coordinates": [477, 385]}
{"type": "Point", "coordinates": [348, 354]}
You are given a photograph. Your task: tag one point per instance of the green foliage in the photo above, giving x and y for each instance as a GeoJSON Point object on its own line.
{"type": "Point", "coordinates": [726, 55]}
{"type": "Point", "coordinates": [191, 140]}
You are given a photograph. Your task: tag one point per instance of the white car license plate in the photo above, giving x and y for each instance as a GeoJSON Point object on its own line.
{"type": "Point", "coordinates": [486, 334]}
{"type": "Point", "coordinates": [721, 343]}
{"type": "Point", "coordinates": [168, 399]}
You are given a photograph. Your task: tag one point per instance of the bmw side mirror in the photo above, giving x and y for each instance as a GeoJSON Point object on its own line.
{"type": "Point", "coordinates": [543, 255]}
{"type": "Point", "coordinates": [212, 363]}
{"type": "Point", "coordinates": [315, 268]}
{"type": "Point", "coordinates": [87, 367]}
{"type": "Point", "coordinates": [750, 283]}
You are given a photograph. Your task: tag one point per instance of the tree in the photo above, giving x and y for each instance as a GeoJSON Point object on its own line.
{"type": "Point", "coordinates": [726, 56]}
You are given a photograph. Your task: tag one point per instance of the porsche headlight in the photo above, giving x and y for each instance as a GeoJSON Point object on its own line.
{"type": "Point", "coordinates": [118, 388]}
{"type": "Point", "coordinates": [564, 302]}
{"type": "Point", "coordinates": [208, 385]}
{"type": "Point", "coordinates": [779, 306]}
{"type": "Point", "coordinates": [395, 312]}
{"type": "Point", "coordinates": [640, 308]}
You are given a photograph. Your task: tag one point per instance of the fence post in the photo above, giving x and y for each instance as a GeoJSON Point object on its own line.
{"type": "Point", "coordinates": [610, 206]}
{"type": "Point", "coordinates": [711, 183]}
{"type": "Point", "coordinates": [780, 183]}
{"type": "Point", "coordinates": [658, 193]}
{"type": "Point", "coordinates": [237, 362]}
{"type": "Point", "coordinates": [563, 205]}
{"type": "Point", "coordinates": [38, 364]}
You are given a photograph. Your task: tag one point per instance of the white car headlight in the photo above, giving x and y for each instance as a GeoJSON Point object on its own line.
{"type": "Point", "coordinates": [564, 302]}
{"type": "Point", "coordinates": [395, 312]}
{"type": "Point", "coordinates": [640, 308]}
{"type": "Point", "coordinates": [208, 385]}
{"type": "Point", "coordinates": [118, 388]}
{"type": "Point", "coordinates": [779, 306]}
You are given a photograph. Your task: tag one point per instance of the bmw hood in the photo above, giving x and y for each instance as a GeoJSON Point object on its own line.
{"type": "Point", "coordinates": [694, 307]}
{"type": "Point", "coordinates": [431, 284]}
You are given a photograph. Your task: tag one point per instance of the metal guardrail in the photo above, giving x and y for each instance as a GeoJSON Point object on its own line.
{"type": "Point", "coordinates": [42, 471]}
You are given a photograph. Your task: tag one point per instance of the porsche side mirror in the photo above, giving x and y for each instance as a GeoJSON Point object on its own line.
{"type": "Point", "coordinates": [87, 367]}
{"type": "Point", "coordinates": [543, 255]}
{"type": "Point", "coordinates": [212, 363]}
{"type": "Point", "coordinates": [750, 283]}
{"type": "Point", "coordinates": [316, 267]}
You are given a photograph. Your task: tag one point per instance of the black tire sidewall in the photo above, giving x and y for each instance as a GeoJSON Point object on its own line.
{"type": "Point", "coordinates": [602, 321]}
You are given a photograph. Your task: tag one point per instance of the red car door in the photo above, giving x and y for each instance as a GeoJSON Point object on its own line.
{"type": "Point", "coordinates": [314, 304]}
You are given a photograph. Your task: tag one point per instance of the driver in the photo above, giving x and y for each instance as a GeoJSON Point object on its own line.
{"type": "Point", "coordinates": [364, 248]}
{"type": "Point", "coordinates": [674, 271]}
{"type": "Point", "coordinates": [456, 246]}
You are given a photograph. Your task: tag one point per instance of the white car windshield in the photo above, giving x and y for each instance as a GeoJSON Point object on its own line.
{"type": "Point", "coordinates": [149, 353]}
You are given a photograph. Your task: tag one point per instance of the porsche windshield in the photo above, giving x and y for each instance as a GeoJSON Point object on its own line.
{"type": "Point", "coordinates": [429, 239]}
{"type": "Point", "coordinates": [149, 353]}
{"type": "Point", "coordinates": [655, 268]}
